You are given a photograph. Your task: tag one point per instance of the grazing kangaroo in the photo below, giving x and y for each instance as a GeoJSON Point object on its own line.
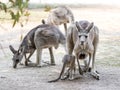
{"type": "Point", "coordinates": [28, 44]}
{"type": "Point", "coordinates": [68, 61]}
{"type": "Point", "coordinates": [83, 39]}
{"type": "Point", "coordinates": [60, 15]}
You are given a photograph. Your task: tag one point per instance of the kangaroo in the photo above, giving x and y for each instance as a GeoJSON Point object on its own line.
{"type": "Point", "coordinates": [83, 39]}
{"type": "Point", "coordinates": [47, 37]}
{"type": "Point", "coordinates": [68, 61]}
{"type": "Point", "coordinates": [28, 44]}
{"type": "Point", "coordinates": [60, 15]}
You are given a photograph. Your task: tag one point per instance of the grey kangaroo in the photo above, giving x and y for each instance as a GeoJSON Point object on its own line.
{"type": "Point", "coordinates": [28, 44]}
{"type": "Point", "coordinates": [68, 61]}
{"type": "Point", "coordinates": [83, 38]}
{"type": "Point", "coordinates": [60, 15]}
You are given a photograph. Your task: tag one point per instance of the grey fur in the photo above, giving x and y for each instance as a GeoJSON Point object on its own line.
{"type": "Point", "coordinates": [47, 37]}
{"type": "Point", "coordinates": [82, 39]}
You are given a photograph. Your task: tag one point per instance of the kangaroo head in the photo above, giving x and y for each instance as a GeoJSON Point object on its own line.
{"type": "Point", "coordinates": [17, 55]}
{"type": "Point", "coordinates": [68, 59]}
{"type": "Point", "coordinates": [83, 34]}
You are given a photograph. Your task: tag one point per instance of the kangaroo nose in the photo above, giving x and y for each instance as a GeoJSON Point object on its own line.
{"type": "Point", "coordinates": [82, 42]}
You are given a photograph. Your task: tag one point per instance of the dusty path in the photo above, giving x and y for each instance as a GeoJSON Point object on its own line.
{"type": "Point", "coordinates": [35, 78]}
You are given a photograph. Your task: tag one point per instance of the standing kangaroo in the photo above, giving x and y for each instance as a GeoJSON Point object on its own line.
{"type": "Point", "coordinates": [83, 38]}
{"type": "Point", "coordinates": [68, 61]}
{"type": "Point", "coordinates": [47, 37]}
{"type": "Point", "coordinates": [29, 43]}
{"type": "Point", "coordinates": [60, 15]}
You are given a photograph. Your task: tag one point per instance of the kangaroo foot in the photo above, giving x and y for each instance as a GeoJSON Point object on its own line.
{"type": "Point", "coordinates": [96, 75]}
{"type": "Point", "coordinates": [26, 63]}
{"type": "Point", "coordinates": [48, 63]}
{"type": "Point", "coordinates": [71, 78]}
{"type": "Point", "coordinates": [34, 65]}
{"type": "Point", "coordinates": [65, 77]}
{"type": "Point", "coordinates": [37, 65]}
{"type": "Point", "coordinates": [21, 63]}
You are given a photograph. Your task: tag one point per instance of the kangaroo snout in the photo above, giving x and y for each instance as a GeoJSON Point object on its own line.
{"type": "Point", "coordinates": [15, 64]}
{"type": "Point", "coordinates": [82, 42]}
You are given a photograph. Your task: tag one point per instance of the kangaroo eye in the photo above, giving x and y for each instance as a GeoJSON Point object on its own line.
{"type": "Point", "coordinates": [19, 52]}
{"type": "Point", "coordinates": [79, 36]}
{"type": "Point", "coordinates": [86, 36]}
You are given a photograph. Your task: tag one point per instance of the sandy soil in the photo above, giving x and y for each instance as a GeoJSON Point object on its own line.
{"type": "Point", "coordinates": [35, 78]}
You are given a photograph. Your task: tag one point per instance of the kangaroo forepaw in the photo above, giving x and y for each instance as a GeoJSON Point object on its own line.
{"type": "Point", "coordinates": [81, 71]}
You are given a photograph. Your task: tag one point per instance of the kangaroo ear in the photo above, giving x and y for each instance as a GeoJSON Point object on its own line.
{"type": "Point", "coordinates": [78, 26]}
{"type": "Point", "coordinates": [43, 21]}
{"type": "Point", "coordinates": [89, 27]}
{"type": "Point", "coordinates": [12, 49]}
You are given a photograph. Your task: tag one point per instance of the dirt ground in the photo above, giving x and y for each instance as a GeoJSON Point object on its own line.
{"type": "Point", "coordinates": [35, 78]}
